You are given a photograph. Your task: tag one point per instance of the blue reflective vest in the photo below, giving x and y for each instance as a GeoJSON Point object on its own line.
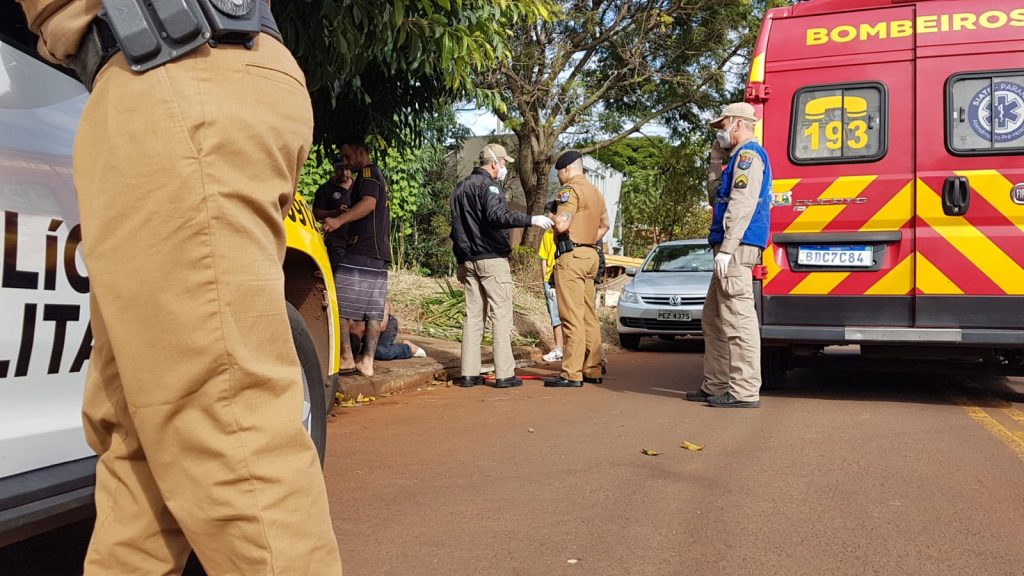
{"type": "Point", "coordinates": [757, 230]}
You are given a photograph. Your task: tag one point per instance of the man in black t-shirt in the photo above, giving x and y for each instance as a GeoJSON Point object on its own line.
{"type": "Point", "coordinates": [361, 276]}
{"type": "Point", "coordinates": [332, 198]}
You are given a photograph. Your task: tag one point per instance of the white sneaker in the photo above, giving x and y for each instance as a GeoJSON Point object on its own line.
{"type": "Point", "coordinates": [553, 356]}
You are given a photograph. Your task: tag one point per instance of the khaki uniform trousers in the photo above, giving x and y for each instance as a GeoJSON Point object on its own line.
{"type": "Point", "coordinates": [574, 286]}
{"type": "Point", "coordinates": [193, 397]}
{"type": "Point", "coordinates": [488, 296]}
{"type": "Point", "coordinates": [732, 339]}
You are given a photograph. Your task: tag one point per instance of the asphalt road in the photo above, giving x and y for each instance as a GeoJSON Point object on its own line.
{"type": "Point", "coordinates": [843, 473]}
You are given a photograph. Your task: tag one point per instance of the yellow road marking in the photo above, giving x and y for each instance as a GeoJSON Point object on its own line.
{"type": "Point", "coordinates": [1011, 439]}
{"type": "Point", "coordinates": [899, 281]}
{"type": "Point", "coordinates": [931, 280]}
{"type": "Point", "coordinates": [1015, 414]}
{"type": "Point", "coordinates": [815, 218]}
{"type": "Point", "coordinates": [977, 247]}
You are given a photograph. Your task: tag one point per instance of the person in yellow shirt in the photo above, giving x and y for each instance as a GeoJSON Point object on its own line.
{"type": "Point", "coordinates": [546, 254]}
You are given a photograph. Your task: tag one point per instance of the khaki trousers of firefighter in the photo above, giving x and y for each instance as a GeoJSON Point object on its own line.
{"type": "Point", "coordinates": [488, 296]}
{"type": "Point", "coordinates": [194, 398]}
{"type": "Point", "coordinates": [574, 286]}
{"type": "Point", "coordinates": [732, 339]}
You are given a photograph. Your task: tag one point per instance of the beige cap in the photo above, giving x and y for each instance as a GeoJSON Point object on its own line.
{"type": "Point", "coordinates": [492, 151]}
{"type": "Point", "coordinates": [735, 110]}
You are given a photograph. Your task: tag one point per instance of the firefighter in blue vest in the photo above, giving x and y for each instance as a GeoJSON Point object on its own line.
{"type": "Point", "coordinates": [741, 197]}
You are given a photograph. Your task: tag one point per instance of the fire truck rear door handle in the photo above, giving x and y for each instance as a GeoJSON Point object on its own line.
{"type": "Point", "coordinates": [956, 196]}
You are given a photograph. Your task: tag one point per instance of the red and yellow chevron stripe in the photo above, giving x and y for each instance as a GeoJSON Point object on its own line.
{"type": "Point", "coordinates": [981, 253]}
{"type": "Point", "coordinates": [891, 208]}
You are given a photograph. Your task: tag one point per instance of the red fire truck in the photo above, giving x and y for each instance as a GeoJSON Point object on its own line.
{"type": "Point", "coordinates": [895, 130]}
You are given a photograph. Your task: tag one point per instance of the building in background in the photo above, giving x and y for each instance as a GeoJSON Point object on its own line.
{"type": "Point", "coordinates": [605, 178]}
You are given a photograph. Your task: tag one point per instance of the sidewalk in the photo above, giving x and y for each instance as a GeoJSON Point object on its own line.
{"type": "Point", "coordinates": [443, 362]}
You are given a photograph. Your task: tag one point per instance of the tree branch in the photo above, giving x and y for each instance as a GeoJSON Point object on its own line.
{"type": "Point", "coordinates": [637, 126]}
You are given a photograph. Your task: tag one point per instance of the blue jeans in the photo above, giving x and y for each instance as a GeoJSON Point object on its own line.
{"type": "Point", "coordinates": [549, 294]}
{"type": "Point", "coordinates": [386, 347]}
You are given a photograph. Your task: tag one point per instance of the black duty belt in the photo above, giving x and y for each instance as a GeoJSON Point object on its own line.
{"type": "Point", "coordinates": [99, 45]}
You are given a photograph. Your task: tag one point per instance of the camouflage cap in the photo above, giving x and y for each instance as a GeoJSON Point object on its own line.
{"type": "Point", "coordinates": [735, 110]}
{"type": "Point", "coordinates": [494, 152]}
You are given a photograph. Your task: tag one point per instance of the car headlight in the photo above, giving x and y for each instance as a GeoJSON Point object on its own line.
{"type": "Point", "coordinates": [629, 297]}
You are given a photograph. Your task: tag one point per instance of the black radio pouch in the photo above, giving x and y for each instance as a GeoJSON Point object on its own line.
{"type": "Point", "coordinates": [563, 245]}
{"type": "Point", "coordinates": [153, 32]}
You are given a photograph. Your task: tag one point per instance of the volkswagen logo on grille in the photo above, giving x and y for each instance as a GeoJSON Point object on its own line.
{"type": "Point", "coordinates": [675, 300]}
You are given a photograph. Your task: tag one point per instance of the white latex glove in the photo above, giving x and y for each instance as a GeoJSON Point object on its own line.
{"type": "Point", "coordinates": [722, 261]}
{"type": "Point", "coordinates": [542, 222]}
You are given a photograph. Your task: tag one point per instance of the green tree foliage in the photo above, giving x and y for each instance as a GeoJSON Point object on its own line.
{"type": "Point", "coordinates": [380, 66]}
{"type": "Point", "coordinates": [664, 196]}
{"type": "Point", "coordinates": [420, 179]}
{"type": "Point", "coordinates": [319, 167]}
{"type": "Point", "coordinates": [605, 69]}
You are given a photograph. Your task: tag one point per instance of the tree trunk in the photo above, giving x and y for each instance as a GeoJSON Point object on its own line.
{"type": "Point", "coordinates": [536, 199]}
{"type": "Point", "coordinates": [534, 167]}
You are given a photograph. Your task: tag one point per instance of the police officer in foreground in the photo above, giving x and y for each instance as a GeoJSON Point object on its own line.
{"type": "Point", "coordinates": [741, 201]}
{"type": "Point", "coordinates": [480, 223]}
{"type": "Point", "coordinates": [184, 174]}
{"type": "Point", "coordinates": [578, 223]}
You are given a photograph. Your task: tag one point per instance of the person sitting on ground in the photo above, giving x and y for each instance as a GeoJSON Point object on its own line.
{"type": "Point", "coordinates": [386, 347]}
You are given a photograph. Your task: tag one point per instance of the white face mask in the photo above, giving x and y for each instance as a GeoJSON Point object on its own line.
{"type": "Point", "coordinates": [502, 171]}
{"type": "Point", "coordinates": [724, 137]}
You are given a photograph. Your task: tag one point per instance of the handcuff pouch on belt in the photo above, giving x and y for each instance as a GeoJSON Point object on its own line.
{"type": "Point", "coordinates": [153, 32]}
{"type": "Point", "coordinates": [563, 244]}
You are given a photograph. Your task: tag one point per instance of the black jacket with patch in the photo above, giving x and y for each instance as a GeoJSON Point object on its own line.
{"type": "Point", "coordinates": [481, 218]}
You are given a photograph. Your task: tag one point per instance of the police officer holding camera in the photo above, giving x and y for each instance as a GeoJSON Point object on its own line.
{"type": "Point", "coordinates": [578, 227]}
{"type": "Point", "coordinates": [185, 164]}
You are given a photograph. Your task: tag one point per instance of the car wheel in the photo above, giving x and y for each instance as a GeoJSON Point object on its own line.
{"type": "Point", "coordinates": [775, 362]}
{"type": "Point", "coordinates": [629, 341]}
{"type": "Point", "coordinates": [314, 404]}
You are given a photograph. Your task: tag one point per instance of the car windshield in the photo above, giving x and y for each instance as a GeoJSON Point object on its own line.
{"type": "Point", "coordinates": [685, 258]}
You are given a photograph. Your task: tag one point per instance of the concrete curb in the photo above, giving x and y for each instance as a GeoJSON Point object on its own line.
{"type": "Point", "coordinates": [442, 364]}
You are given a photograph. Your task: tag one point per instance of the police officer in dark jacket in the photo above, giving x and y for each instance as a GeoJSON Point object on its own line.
{"type": "Point", "coordinates": [480, 223]}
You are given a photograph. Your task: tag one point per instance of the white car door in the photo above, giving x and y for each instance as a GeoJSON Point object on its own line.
{"type": "Point", "coordinates": [44, 300]}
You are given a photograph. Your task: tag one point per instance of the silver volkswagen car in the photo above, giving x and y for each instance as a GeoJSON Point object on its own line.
{"type": "Point", "coordinates": [667, 293]}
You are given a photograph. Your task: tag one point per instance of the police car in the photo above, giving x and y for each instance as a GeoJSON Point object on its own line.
{"type": "Point", "coordinates": [46, 468]}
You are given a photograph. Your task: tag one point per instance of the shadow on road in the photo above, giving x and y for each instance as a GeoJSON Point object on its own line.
{"type": "Point", "coordinates": [843, 377]}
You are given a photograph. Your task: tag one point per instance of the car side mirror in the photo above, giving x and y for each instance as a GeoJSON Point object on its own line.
{"type": "Point", "coordinates": [630, 271]}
